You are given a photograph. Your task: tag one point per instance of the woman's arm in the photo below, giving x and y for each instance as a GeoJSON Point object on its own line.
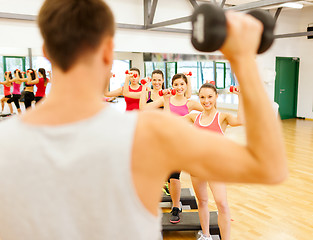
{"type": "Point", "coordinates": [7, 80]}
{"type": "Point", "coordinates": [19, 79]}
{"type": "Point", "coordinates": [143, 98]}
{"type": "Point", "coordinates": [127, 93]}
{"type": "Point", "coordinates": [50, 76]}
{"type": "Point", "coordinates": [193, 105]}
{"type": "Point", "coordinates": [29, 79]}
{"type": "Point", "coordinates": [114, 93]}
{"type": "Point", "coordinates": [239, 119]}
{"type": "Point", "coordinates": [155, 104]}
{"type": "Point", "coordinates": [189, 89]}
{"type": "Point", "coordinates": [191, 117]}
{"type": "Point", "coordinates": [167, 96]}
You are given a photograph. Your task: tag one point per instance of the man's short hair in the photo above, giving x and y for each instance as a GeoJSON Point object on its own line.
{"type": "Point", "coordinates": [72, 28]}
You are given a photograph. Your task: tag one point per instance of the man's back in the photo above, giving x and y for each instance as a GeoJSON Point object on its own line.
{"type": "Point", "coordinates": [73, 180]}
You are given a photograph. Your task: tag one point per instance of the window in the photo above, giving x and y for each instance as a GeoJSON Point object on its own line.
{"type": "Point", "coordinates": [11, 64]}
{"type": "Point", "coordinates": [39, 62]}
{"type": "Point", "coordinates": [169, 69]}
{"type": "Point", "coordinates": [148, 69]}
{"type": "Point", "coordinates": [220, 74]}
{"type": "Point", "coordinates": [186, 67]}
{"type": "Point", "coordinates": [207, 72]}
{"type": "Point", "coordinates": [229, 77]}
{"type": "Point", "coordinates": [118, 69]}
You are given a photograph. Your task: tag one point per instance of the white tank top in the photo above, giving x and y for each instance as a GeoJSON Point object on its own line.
{"type": "Point", "coordinates": [71, 182]}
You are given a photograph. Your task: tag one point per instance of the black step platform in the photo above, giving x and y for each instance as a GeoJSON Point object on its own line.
{"type": "Point", "coordinates": [189, 221]}
{"type": "Point", "coordinates": [4, 116]}
{"type": "Point", "coordinates": [187, 198]}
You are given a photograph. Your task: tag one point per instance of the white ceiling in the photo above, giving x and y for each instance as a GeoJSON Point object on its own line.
{"type": "Point", "coordinates": [239, 2]}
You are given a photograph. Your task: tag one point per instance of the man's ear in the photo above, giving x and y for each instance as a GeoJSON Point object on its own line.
{"type": "Point", "coordinates": [108, 51]}
{"type": "Point", "coordinates": [45, 52]}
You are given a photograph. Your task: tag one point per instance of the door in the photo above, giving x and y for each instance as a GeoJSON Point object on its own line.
{"type": "Point", "coordinates": [286, 86]}
{"type": "Point", "coordinates": [13, 63]}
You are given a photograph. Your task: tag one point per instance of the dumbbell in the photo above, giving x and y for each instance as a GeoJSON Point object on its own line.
{"type": "Point", "coordinates": [233, 88]}
{"type": "Point", "coordinates": [29, 71]}
{"type": "Point", "coordinates": [134, 75]}
{"type": "Point", "coordinates": [113, 75]}
{"type": "Point", "coordinates": [189, 74]}
{"type": "Point", "coordinates": [144, 81]}
{"type": "Point", "coordinates": [162, 92]}
{"type": "Point", "coordinates": [209, 28]}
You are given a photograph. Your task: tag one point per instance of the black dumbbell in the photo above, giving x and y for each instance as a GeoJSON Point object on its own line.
{"type": "Point", "coordinates": [209, 28]}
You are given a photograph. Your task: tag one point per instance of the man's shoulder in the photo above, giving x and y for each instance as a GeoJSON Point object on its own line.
{"type": "Point", "coordinates": [159, 123]}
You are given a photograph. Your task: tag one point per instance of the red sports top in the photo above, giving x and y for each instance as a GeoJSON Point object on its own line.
{"type": "Point", "coordinates": [132, 103]}
{"type": "Point", "coordinates": [7, 90]}
{"type": "Point", "coordinates": [41, 88]}
{"type": "Point", "coordinates": [213, 126]}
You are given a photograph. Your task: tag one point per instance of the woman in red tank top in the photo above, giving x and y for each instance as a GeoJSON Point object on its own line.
{"type": "Point", "coordinates": [7, 92]}
{"type": "Point", "coordinates": [132, 101]}
{"type": "Point", "coordinates": [210, 119]}
{"type": "Point", "coordinates": [132, 86]}
{"type": "Point", "coordinates": [41, 85]}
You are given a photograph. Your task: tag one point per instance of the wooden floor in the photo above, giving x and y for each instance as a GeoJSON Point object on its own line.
{"type": "Point", "coordinates": [283, 212]}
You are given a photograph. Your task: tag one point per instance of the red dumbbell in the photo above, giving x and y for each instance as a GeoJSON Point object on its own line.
{"type": "Point", "coordinates": [233, 88]}
{"type": "Point", "coordinates": [189, 74]}
{"type": "Point", "coordinates": [135, 75]}
{"type": "Point", "coordinates": [29, 71]}
{"type": "Point", "coordinates": [23, 72]}
{"type": "Point", "coordinates": [113, 75]}
{"type": "Point", "coordinates": [212, 82]}
{"type": "Point", "coordinates": [126, 72]}
{"type": "Point", "coordinates": [162, 92]}
{"type": "Point", "coordinates": [144, 81]}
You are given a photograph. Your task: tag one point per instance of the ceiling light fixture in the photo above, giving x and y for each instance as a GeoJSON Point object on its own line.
{"type": "Point", "coordinates": [292, 5]}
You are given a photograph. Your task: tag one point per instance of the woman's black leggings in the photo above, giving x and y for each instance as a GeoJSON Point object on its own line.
{"type": "Point", "coordinates": [29, 97]}
{"type": "Point", "coordinates": [16, 99]}
{"type": "Point", "coordinates": [175, 175]}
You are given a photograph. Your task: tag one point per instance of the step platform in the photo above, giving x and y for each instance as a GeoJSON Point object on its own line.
{"type": "Point", "coordinates": [4, 116]}
{"type": "Point", "coordinates": [187, 198]}
{"type": "Point", "coordinates": [189, 221]}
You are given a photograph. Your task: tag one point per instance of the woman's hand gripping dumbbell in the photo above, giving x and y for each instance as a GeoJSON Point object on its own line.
{"type": "Point", "coordinates": [167, 92]}
{"type": "Point", "coordinates": [128, 73]}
